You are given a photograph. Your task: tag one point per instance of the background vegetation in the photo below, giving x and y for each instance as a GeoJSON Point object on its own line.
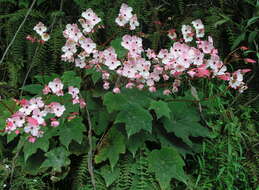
{"type": "Point", "coordinates": [222, 154]}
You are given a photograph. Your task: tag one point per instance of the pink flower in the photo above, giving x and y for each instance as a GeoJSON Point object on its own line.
{"type": "Point", "coordinates": [56, 86]}
{"type": "Point", "coordinates": [32, 121]}
{"type": "Point", "coordinates": [172, 34]}
{"type": "Point", "coordinates": [106, 85]}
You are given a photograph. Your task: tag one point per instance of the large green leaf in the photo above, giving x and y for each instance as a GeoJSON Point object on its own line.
{"type": "Point", "coordinates": [161, 108]}
{"type": "Point", "coordinates": [114, 145]}
{"type": "Point", "coordinates": [71, 130]}
{"type": "Point", "coordinates": [166, 164]}
{"type": "Point", "coordinates": [184, 122]}
{"type": "Point", "coordinates": [137, 141]}
{"type": "Point", "coordinates": [116, 102]}
{"type": "Point", "coordinates": [56, 158]}
{"type": "Point", "coordinates": [135, 118]}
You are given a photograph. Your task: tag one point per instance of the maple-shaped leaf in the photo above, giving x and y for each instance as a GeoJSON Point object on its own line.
{"type": "Point", "coordinates": [136, 141]}
{"type": "Point", "coordinates": [117, 102]}
{"type": "Point", "coordinates": [71, 130]}
{"type": "Point", "coordinates": [135, 118]}
{"type": "Point", "coordinates": [184, 122]}
{"type": "Point", "coordinates": [166, 164]}
{"type": "Point", "coordinates": [113, 146]}
{"type": "Point", "coordinates": [56, 158]}
{"type": "Point", "coordinates": [161, 108]}
{"type": "Point", "coordinates": [114, 102]}
{"type": "Point", "coordinates": [31, 148]}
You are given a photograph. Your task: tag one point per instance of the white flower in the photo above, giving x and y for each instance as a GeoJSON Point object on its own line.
{"type": "Point", "coordinates": [40, 28]}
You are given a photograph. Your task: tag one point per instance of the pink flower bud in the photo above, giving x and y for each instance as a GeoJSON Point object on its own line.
{"type": "Point", "coordinates": [116, 90]}
{"type": "Point", "coordinates": [140, 86]}
{"type": "Point", "coordinates": [32, 139]}
{"type": "Point", "coordinates": [46, 90]}
{"type": "Point", "coordinates": [152, 89]}
{"type": "Point", "coordinates": [129, 85]}
{"type": "Point", "coordinates": [17, 132]}
{"type": "Point", "coordinates": [54, 123]}
{"type": "Point", "coordinates": [166, 92]}
{"type": "Point", "coordinates": [82, 103]}
{"type": "Point", "coordinates": [248, 60]}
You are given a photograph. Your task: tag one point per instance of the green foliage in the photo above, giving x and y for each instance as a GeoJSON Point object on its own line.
{"type": "Point", "coordinates": [170, 166]}
{"type": "Point", "coordinates": [120, 51]}
{"type": "Point", "coordinates": [114, 147]}
{"type": "Point", "coordinates": [184, 123]}
{"type": "Point", "coordinates": [148, 140]}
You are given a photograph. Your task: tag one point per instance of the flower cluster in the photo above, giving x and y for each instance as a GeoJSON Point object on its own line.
{"type": "Point", "coordinates": [41, 29]}
{"type": "Point", "coordinates": [125, 16]}
{"type": "Point", "coordinates": [31, 116]}
{"type": "Point", "coordinates": [56, 87]}
{"type": "Point", "coordinates": [147, 68]}
{"type": "Point", "coordinates": [76, 38]}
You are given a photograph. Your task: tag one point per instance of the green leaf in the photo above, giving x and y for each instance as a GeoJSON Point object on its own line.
{"type": "Point", "coordinates": [96, 76]}
{"type": "Point", "coordinates": [110, 175]}
{"type": "Point", "coordinates": [11, 137]}
{"type": "Point", "coordinates": [116, 44]}
{"type": "Point", "coordinates": [100, 121]}
{"type": "Point", "coordinates": [135, 118]}
{"type": "Point", "coordinates": [114, 146]}
{"type": "Point", "coordinates": [252, 20]}
{"type": "Point", "coordinates": [166, 164]}
{"type": "Point", "coordinates": [252, 36]}
{"type": "Point", "coordinates": [184, 122]}
{"type": "Point", "coordinates": [238, 40]}
{"type": "Point", "coordinates": [220, 22]}
{"type": "Point", "coordinates": [45, 79]}
{"type": "Point", "coordinates": [114, 102]}
{"type": "Point", "coordinates": [33, 88]}
{"type": "Point", "coordinates": [117, 102]}
{"type": "Point", "coordinates": [161, 108]}
{"type": "Point", "coordinates": [69, 78]}
{"type": "Point", "coordinates": [71, 130]}
{"type": "Point", "coordinates": [137, 141]}
{"type": "Point", "coordinates": [56, 158]}
{"type": "Point", "coordinates": [31, 148]}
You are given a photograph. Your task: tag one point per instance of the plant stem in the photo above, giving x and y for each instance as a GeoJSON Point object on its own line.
{"type": "Point", "coordinates": [21, 25]}
{"type": "Point", "coordinates": [90, 152]}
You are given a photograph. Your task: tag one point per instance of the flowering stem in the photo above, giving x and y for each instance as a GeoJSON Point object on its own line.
{"type": "Point", "coordinates": [21, 25]}
{"type": "Point", "coordinates": [90, 152]}
{"type": "Point", "coordinates": [28, 72]}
